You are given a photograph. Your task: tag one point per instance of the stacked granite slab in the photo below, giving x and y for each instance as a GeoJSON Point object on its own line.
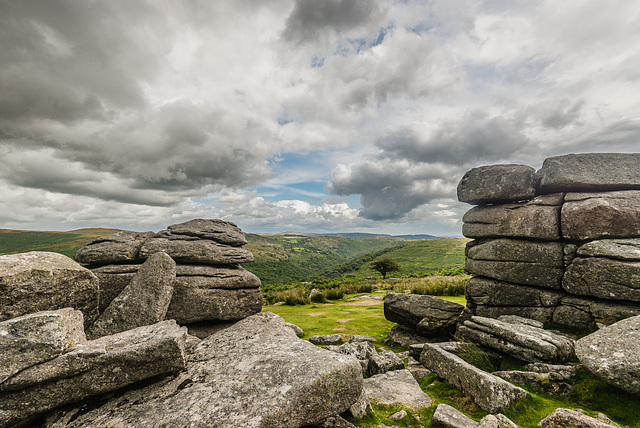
{"type": "Point", "coordinates": [210, 285]}
{"type": "Point", "coordinates": [558, 245]}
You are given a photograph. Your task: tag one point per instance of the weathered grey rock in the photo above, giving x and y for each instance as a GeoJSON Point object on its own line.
{"type": "Point", "coordinates": [428, 314]}
{"type": "Point", "coordinates": [559, 372]}
{"type": "Point", "coordinates": [604, 278]}
{"type": "Point", "coordinates": [541, 382]}
{"type": "Point", "coordinates": [494, 184]}
{"type": "Point", "coordinates": [326, 339]}
{"type": "Point", "coordinates": [489, 392]}
{"type": "Point", "coordinates": [256, 373]}
{"type": "Point", "coordinates": [613, 354]}
{"type": "Point", "coordinates": [491, 292]}
{"type": "Point", "coordinates": [299, 332]}
{"type": "Point", "coordinates": [113, 279]}
{"type": "Point", "coordinates": [362, 338]}
{"type": "Point", "coordinates": [34, 338]}
{"type": "Point", "coordinates": [204, 329]}
{"type": "Point", "coordinates": [362, 351]}
{"type": "Point", "coordinates": [528, 343]}
{"type": "Point", "coordinates": [227, 277]}
{"type": "Point", "coordinates": [398, 415]}
{"type": "Point", "coordinates": [396, 387]}
{"type": "Point", "coordinates": [619, 249]}
{"type": "Point", "coordinates": [333, 422]}
{"type": "Point", "coordinates": [514, 319]}
{"type": "Point", "coordinates": [223, 232]}
{"type": "Point", "coordinates": [198, 251]}
{"type": "Point", "coordinates": [561, 418]}
{"type": "Point", "coordinates": [496, 421]}
{"type": "Point", "coordinates": [417, 370]}
{"type": "Point", "coordinates": [591, 216]}
{"type": "Point", "coordinates": [361, 407]}
{"type": "Point", "coordinates": [589, 172]}
{"type": "Point", "coordinates": [517, 261]}
{"type": "Point", "coordinates": [599, 311]}
{"type": "Point", "coordinates": [144, 301]}
{"type": "Point", "coordinates": [42, 281]}
{"type": "Point", "coordinates": [406, 336]}
{"type": "Point", "coordinates": [447, 416]}
{"type": "Point", "coordinates": [384, 361]}
{"type": "Point", "coordinates": [116, 247]}
{"type": "Point", "coordinates": [93, 368]}
{"type": "Point", "coordinates": [536, 219]}
{"type": "Point", "coordinates": [189, 305]}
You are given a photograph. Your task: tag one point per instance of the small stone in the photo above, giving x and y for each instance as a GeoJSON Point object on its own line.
{"type": "Point", "coordinates": [398, 415]}
{"type": "Point", "coordinates": [326, 339]}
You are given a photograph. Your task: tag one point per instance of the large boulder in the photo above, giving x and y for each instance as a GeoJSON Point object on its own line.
{"type": "Point", "coordinates": [256, 373]}
{"type": "Point", "coordinates": [613, 354]}
{"type": "Point", "coordinates": [34, 338]}
{"type": "Point", "coordinates": [93, 368]}
{"type": "Point", "coordinates": [526, 342]}
{"type": "Point", "coordinates": [497, 184]}
{"type": "Point", "coordinates": [485, 291]}
{"type": "Point", "coordinates": [190, 304]}
{"type": "Point", "coordinates": [396, 387]}
{"type": "Point", "coordinates": [428, 315]}
{"type": "Point", "coordinates": [517, 261]}
{"type": "Point", "coordinates": [591, 216]}
{"type": "Point", "coordinates": [119, 247]}
{"type": "Point", "coordinates": [603, 278]}
{"type": "Point", "coordinates": [488, 391]}
{"type": "Point", "coordinates": [144, 301]}
{"type": "Point", "coordinates": [447, 416]}
{"type": "Point", "coordinates": [589, 172]}
{"type": "Point", "coordinates": [42, 281]}
{"type": "Point", "coordinates": [536, 219]}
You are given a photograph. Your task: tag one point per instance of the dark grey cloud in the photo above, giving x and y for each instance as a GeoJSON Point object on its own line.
{"type": "Point", "coordinates": [472, 138]}
{"type": "Point", "coordinates": [310, 18]}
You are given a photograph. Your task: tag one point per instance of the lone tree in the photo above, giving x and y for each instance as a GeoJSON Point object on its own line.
{"type": "Point", "coordinates": [385, 265]}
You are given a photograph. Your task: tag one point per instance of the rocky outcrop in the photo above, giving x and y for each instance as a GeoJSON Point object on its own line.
{"type": "Point", "coordinates": [370, 360]}
{"type": "Point", "coordinates": [209, 284]}
{"type": "Point", "coordinates": [488, 391]}
{"type": "Point", "coordinates": [568, 255]}
{"type": "Point", "coordinates": [526, 342]}
{"type": "Point", "coordinates": [92, 368]}
{"type": "Point", "coordinates": [426, 315]}
{"type": "Point", "coordinates": [613, 354]}
{"type": "Point", "coordinates": [43, 281]}
{"type": "Point", "coordinates": [256, 373]}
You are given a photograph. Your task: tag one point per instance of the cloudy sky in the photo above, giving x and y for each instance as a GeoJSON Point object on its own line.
{"type": "Point", "coordinates": [306, 115]}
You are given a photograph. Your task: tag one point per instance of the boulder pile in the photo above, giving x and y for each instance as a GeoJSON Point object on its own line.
{"type": "Point", "coordinates": [558, 245]}
{"type": "Point", "coordinates": [209, 285]}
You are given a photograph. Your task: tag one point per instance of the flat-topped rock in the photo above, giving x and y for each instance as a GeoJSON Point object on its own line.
{"type": "Point", "coordinates": [494, 184]}
{"type": "Point", "coordinates": [119, 247]}
{"type": "Point", "coordinates": [396, 387]}
{"type": "Point", "coordinates": [561, 418]}
{"type": "Point", "coordinates": [93, 368]}
{"type": "Point", "coordinates": [447, 416]}
{"type": "Point", "coordinates": [429, 315]}
{"type": "Point", "coordinates": [256, 373]}
{"type": "Point", "coordinates": [195, 251]}
{"type": "Point", "coordinates": [592, 216]}
{"type": "Point", "coordinates": [619, 249]}
{"type": "Point", "coordinates": [190, 304]}
{"type": "Point", "coordinates": [56, 280]}
{"type": "Point", "coordinates": [221, 231]}
{"type": "Point", "coordinates": [34, 338]}
{"type": "Point", "coordinates": [613, 354]}
{"type": "Point", "coordinates": [536, 219]}
{"type": "Point", "coordinates": [604, 278]}
{"type": "Point", "coordinates": [526, 342]}
{"type": "Point", "coordinates": [589, 172]}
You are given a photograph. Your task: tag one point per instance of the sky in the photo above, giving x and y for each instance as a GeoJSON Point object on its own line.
{"type": "Point", "coordinates": [298, 115]}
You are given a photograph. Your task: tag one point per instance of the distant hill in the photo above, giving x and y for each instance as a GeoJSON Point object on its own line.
{"type": "Point", "coordinates": [354, 235]}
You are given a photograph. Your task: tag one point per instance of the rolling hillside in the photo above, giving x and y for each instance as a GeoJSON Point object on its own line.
{"type": "Point", "coordinates": [283, 258]}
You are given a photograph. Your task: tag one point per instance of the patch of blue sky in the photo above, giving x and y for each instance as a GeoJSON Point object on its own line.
{"type": "Point", "coordinates": [312, 192]}
{"type": "Point", "coordinates": [357, 46]}
{"type": "Point", "coordinates": [317, 61]}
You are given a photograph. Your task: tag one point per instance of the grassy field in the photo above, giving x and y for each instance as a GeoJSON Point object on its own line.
{"type": "Point", "coordinates": [67, 243]}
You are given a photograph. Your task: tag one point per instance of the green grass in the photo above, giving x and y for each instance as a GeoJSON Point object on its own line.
{"type": "Point", "coordinates": [67, 243]}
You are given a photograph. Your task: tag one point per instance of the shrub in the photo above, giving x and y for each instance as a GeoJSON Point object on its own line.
{"type": "Point", "coordinates": [317, 297]}
{"type": "Point", "coordinates": [292, 297]}
{"type": "Point", "coordinates": [365, 288]}
{"type": "Point", "coordinates": [438, 286]}
{"type": "Point", "coordinates": [335, 293]}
